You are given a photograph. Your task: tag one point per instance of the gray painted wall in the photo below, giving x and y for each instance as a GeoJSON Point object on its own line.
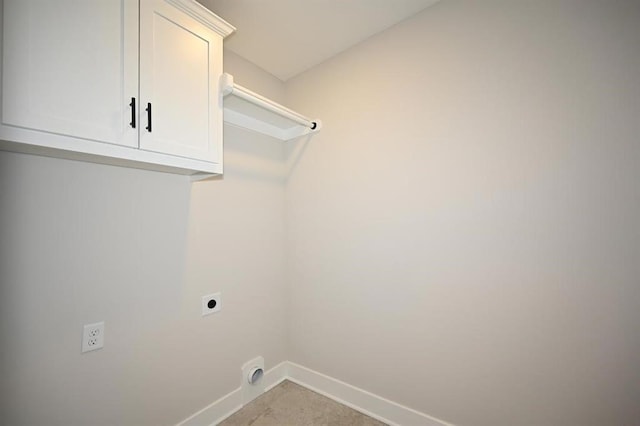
{"type": "Point", "coordinates": [83, 242]}
{"type": "Point", "coordinates": [464, 233]}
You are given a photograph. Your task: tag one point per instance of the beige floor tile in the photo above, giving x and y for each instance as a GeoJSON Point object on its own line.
{"type": "Point", "coordinates": [289, 404]}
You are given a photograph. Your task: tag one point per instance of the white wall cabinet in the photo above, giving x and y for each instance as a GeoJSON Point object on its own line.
{"type": "Point", "coordinates": [128, 82]}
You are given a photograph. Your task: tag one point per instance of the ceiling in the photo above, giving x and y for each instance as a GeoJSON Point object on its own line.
{"type": "Point", "coordinates": [287, 37]}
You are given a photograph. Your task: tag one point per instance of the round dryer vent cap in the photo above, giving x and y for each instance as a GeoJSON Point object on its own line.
{"type": "Point", "coordinates": [255, 375]}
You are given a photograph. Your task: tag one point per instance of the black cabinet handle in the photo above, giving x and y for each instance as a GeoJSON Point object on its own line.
{"type": "Point", "coordinates": [148, 116]}
{"type": "Point", "coordinates": [133, 112]}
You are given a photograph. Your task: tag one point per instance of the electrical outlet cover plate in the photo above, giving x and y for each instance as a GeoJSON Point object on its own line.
{"type": "Point", "coordinates": [93, 336]}
{"type": "Point", "coordinates": [211, 303]}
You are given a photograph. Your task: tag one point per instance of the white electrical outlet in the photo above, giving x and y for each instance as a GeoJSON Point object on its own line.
{"type": "Point", "coordinates": [211, 303]}
{"type": "Point", "coordinates": [93, 336]}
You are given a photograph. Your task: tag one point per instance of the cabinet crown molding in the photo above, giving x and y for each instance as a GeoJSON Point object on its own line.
{"type": "Point", "coordinates": [204, 16]}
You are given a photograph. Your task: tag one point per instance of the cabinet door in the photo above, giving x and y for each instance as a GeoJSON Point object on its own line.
{"type": "Point", "coordinates": [180, 64]}
{"type": "Point", "coordinates": [70, 67]}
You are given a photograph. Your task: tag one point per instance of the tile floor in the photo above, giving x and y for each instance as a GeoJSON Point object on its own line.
{"type": "Point", "coordinates": [289, 404]}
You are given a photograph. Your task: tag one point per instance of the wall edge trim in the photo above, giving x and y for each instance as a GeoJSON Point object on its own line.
{"type": "Point", "coordinates": [360, 400]}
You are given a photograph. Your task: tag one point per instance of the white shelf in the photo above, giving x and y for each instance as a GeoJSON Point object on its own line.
{"type": "Point", "coordinates": [246, 109]}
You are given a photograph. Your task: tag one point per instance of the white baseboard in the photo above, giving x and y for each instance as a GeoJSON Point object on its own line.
{"type": "Point", "coordinates": [276, 375]}
{"type": "Point", "coordinates": [360, 400]}
{"type": "Point", "coordinates": [365, 402]}
{"type": "Point", "coordinates": [217, 411]}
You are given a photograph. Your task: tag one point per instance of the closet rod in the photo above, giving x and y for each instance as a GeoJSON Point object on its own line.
{"type": "Point", "coordinates": [229, 87]}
